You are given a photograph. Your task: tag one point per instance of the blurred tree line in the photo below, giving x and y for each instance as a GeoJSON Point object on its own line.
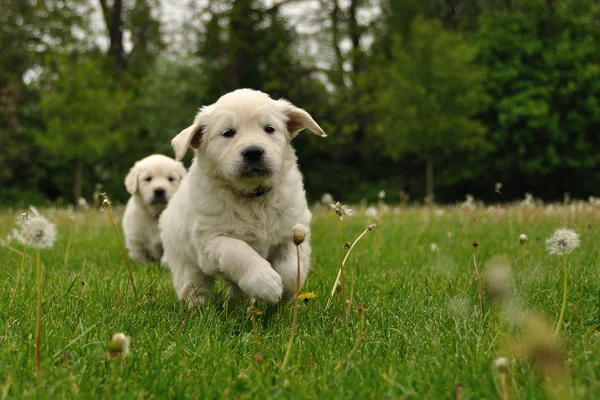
{"type": "Point", "coordinates": [432, 97]}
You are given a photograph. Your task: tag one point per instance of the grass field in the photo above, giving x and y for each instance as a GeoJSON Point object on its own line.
{"type": "Point", "coordinates": [423, 332]}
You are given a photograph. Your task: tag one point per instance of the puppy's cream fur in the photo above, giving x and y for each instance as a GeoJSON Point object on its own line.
{"type": "Point", "coordinates": [145, 181]}
{"type": "Point", "coordinates": [213, 227]}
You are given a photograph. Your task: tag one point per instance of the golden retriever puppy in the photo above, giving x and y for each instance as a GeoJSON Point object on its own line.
{"type": "Point", "coordinates": [233, 214]}
{"type": "Point", "coordinates": [152, 181]}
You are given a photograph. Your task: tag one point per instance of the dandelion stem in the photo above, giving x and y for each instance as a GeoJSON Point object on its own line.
{"type": "Point", "coordinates": [255, 334]}
{"type": "Point", "coordinates": [69, 240]}
{"type": "Point", "coordinates": [351, 290]}
{"type": "Point", "coordinates": [21, 253]}
{"type": "Point", "coordinates": [38, 330]}
{"type": "Point", "coordinates": [341, 277]}
{"type": "Point", "coordinates": [295, 315]}
{"type": "Point", "coordinates": [344, 262]}
{"type": "Point", "coordinates": [503, 386]}
{"type": "Point", "coordinates": [107, 208]}
{"type": "Point", "coordinates": [479, 282]}
{"type": "Point", "coordinates": [21, 268]}
{"type": "Point", "coordinates": [356, 344]}
{"type": "Point", "coordinates": [564, 299]}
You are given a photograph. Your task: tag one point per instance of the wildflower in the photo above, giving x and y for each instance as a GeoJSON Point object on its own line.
{"type": "Point", "coordinates": [433, 247]}
{"type": "Point", "coordinates": [469, 202]}
{"type": "Point", "coordinates": [36, 231]}
{"type": "Point", "coordinates": [475, 244]}
{"type": "Point", "coordinates": [307, 296]}
{"type": "Point", "coordinates": [299, 232]}
{"type": "Point", "coordinates": [346, 245]}
{"type": "Point", "coordinates": [106, 203]}
{"type": "Point", "coordinates": [118, 347]}
{"type": "Point", "coordinates": [522, 238]}
{"type": "Point", "coordinates": [327, 198]}
{"type": "Point", "coordinates": [340, 210]}
{"type": "Point", "coordinates": [360, 309]}
{"type": "Point", "coordinates": [562, 242]}
{"type": "Point", "coordinates": [501, 364]}
{"type": "Point", "coordinates": [381, 195]}
{"type": "Point", "coordinates": [371, 212]}
{"type": "Point", "coordinates": [371, 227]}
{"type": "Point", "coordinates": [498, 187]}
{"type": "Point", "coordinates": [82, 204]}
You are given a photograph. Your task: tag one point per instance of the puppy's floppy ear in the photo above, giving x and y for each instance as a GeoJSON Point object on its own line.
{"type": "Point", "coordinates": [131, 180]}
{"type": "Point", "coordinates": [298, 119]}
{"type": "Point", "coordinates": [181, 171]}
{"type": "Point", "coordinates": [190, 136]}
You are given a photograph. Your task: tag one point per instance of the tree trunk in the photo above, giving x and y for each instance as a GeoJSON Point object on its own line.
{"type": "Point", "coordinates": [429, 180]}
{"type": "Point", "coordinates": [78, 187]}
{"type": "Point", "coordinates": [115, 25]}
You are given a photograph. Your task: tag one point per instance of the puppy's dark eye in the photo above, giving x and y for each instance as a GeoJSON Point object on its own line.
{"type": "Point", "coordinates": [148, 179]}
{"type": "Point", "coordinates": [269, 129]}
{"type": "Point", "coordinates": [228, 133]}
{"type": "Point", "coordinates": [171, 179]}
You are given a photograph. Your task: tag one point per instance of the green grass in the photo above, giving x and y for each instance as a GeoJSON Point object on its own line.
{"type": "Point", "coordinates": [423, 333]}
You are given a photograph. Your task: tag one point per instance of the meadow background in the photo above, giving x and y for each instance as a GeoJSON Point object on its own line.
{"type": "Point", "coordinates": [423, 330]}
{"type": "Point", "coordinates": [428, 97]}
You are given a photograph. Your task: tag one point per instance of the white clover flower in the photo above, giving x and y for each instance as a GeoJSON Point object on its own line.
{"type": "Point", "coordinates": [36, 231]}
{"type": "Point", "coordinates": [563, 241]}
{"type": "Point", "coordinates": [299, 232]}
{"type": "Point", "coordinates": [327, 198]}
{"type": "Point", "coordinates": [522, 238]}
{"type": "Point", "coordinates": [381, 195]}
{"type": "Point", "coordinates": [118, 347]}
{"type": "Point", "coordinates": [340, 210]}
{"type": "Point", "coordinates": [371, 212]}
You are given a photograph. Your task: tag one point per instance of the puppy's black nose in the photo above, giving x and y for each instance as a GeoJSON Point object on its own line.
{"type": "Point", "coordinates": [253, 153]}
{"type": "Point", "coordinates": [159, 192]}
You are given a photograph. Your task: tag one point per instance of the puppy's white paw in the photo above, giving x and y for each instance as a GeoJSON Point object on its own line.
{"type": "Point", "coordinates": [263, 284]}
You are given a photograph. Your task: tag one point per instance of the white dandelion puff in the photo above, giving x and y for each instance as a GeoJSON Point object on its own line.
{"type": "Point", "coordinates": [563, 241]}
{"type": "Point", "coordinates": [36, 231]}
{"type": "Point", "coordinates": [433, 247]}
{"type": "Point", "coordinates": [381, 195]}
{"type": "Point", "coordinates": [522, 238]}
{"type": "Point", "coordinates": [118, 347]}
{"type": "Point", "coordinates": [327, 198]}
{"type": "Point", "coordinates": [371, 212]}
{"type": "Point", "coordinates": [340, 210]}
{"type": "Point", "coordinates": [299, 232]}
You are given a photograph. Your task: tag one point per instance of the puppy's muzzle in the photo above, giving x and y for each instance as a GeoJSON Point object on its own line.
{"type": "Point", "coordinates": [160, 196]}
{"type": "Point", "coordinates": [254, 165]}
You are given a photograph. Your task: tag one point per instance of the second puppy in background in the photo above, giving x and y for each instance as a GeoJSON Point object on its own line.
{"type": "Point", "coordinates": [152, 181]}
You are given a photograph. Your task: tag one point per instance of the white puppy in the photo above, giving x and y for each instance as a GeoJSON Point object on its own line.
{"type": "Point", "coordinates": [152, 181]}
{"type": "Point", "coordinates": [233, 214]}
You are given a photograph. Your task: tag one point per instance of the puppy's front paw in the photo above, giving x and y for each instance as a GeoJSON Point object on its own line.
{"type": "Point", "coordinates": [263, 284]}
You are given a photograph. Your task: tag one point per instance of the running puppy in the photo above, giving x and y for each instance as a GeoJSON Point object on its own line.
{"type": "Point", "coordinates": [152, 181]}
{"type": "Point", "coordinates": [233, 214]}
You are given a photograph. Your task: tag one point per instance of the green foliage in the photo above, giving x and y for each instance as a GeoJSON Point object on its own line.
{"type": "Point", "coordinates": [544, 74]}
{"type": "Point", "coordinates": [430, 94]}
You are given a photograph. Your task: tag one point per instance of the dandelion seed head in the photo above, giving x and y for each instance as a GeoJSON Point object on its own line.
{"type": "Point", "coordinates": [340, 210]}
{"type": "Point", "coordinates": [118, 347]}
{"type": "Point", "coordinates": [371, 212]}
{"type": "Point", "coordinates": [327, 198]}
{"type": "Point", "coordinates": [433, 247]}
{"type": "Point", "coordinates": [381, 195]}
{"type": "Point", "coordinates": [522, 238]}
{"type": "Point", "coordinates": [35, 230]}
{"type": "Point", "coordinates": [501, 364]}
{"type": "Point", "coordinates": [105, 200]}
{"type": "Point", "coordinates": [371, 227]}
{"type": "Point", "coordinates": [299, 232]}
{"type": "Point", "coordinates": [563, 241]}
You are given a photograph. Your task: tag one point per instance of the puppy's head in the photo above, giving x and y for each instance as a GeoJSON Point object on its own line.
{"type": "Point", "coordinates": [244, 137]}
{"type": "Point", "coordinates": [154, 180]}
